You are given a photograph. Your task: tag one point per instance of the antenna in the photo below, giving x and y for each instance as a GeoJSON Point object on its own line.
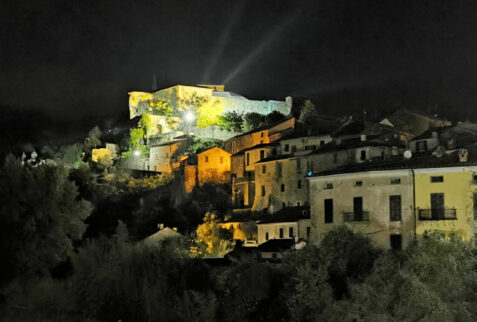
{"type": "Point", "coordinates": [154, 83]}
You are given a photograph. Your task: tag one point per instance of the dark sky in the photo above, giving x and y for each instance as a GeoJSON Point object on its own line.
{"type": "Point", "coordinates": [78, 59]}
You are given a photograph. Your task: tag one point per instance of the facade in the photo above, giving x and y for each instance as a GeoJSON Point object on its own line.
{"type": "Point", "coordinates": [243, 172]}
{"type": "Point", "coordinates": [306, 143]}
{"type": "Point", "coordinates": [260, 136]}
{"type": "Point", "coordinates": [213, 165]}
{"type": "Point", "coordinates": [379, 204]}
{"type": "Point", "coordinates": [168, 109]}
{"type": "Point", "coordinates": [280, 181]}
{"type": "Point", "coordinates": [164, 158]}
{"type": "Point", "coordinates": [395, 206]}
{"type": "Point", "coordinates": [446, 201]}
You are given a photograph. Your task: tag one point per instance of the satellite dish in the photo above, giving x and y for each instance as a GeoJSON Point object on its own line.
{"type": "Point", "coordinates": [407, 154]}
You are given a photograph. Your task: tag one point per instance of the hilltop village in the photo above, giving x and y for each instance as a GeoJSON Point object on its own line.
{"type": "Point", "coordinates": [297, 174]}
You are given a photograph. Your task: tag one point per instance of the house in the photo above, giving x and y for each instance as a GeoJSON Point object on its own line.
{"type": "Point", "coordinates": [263, 135]}
{"type": "Point", "coordinates": [378, 204]}
{"type": "Point", "coordinates": [273, 250]}
{"type": "Point", "coordinates": [293, 222]}
{"type": "Point", "coordinates": [164, 157]}
{"type": "Point", "coordinates": [213, 165]}
{"type": "Point", "coordinates": [162, 234]}
{"type": "Point", "coordinates": [280, 180]}
{"type": "Point", "coordinates": [398, 199]}
{"type": "Point", "coordinates": [243, 172]}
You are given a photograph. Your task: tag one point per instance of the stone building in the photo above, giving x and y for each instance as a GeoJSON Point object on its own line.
{"type": "Point", "coordinates": [213, 165]}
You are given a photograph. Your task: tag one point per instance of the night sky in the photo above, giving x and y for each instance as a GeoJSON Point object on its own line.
{"type": "Point", "coordinates": [78, 59]}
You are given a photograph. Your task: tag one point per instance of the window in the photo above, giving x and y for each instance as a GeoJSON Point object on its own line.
{"type": "Point", "coordinates": [421, 146]}
{"type": "Point", "coordinates": [274, 151]}
{"type": "Point", "coordinates": [264, 169]}
{"type": "Point", "coordinates": [475, 205]}
{"type": "Point", "coordinates": [290, 232]}
{"type": "Point", "coordinates": [299, 184]}
{"type": "Point", "coordinates": [262, 154]}
{"type": "Point", "coordinates": [308, 229]}
{"type": "Point", "coordinates": [328, 211]}
{"type": "Point", "coordinates": [279, 170]}
{"type": "Point", "coordinates": [263, 191]}
{"type": "Point", "coordinates": [437, 179]}
{"type": "Point", "coordinates": [206, 158]}
{"type": "Point", "coordinates": [328, 186]}
{"type": "Point", "coordinates": [335, 157]}
{"type": "Point", "coordinates": [395, 208]}
{"type": "Point", "coordinates": [261, 134]}
{"type": "Point", "coordinates": [358, 208]}
{"type": "Point", "coordinates": [358, 183]}
{"type": "Point", "coordinates": [281, 233]}
{"type": "Point", "coordinates": [248, 158]}
{"type": "Point", "coordinates": [266, 236]}
{"type": "Point", "coordinates": [363, 155]}
{"type": "Point", "coordinates": [221, 159]}
{"type": "Point", "coordinates": [282, 187]}
{"type": "Point", "coordinates": [287, 147]}
{"type": "Point", "coordinates": [437, 206]}
{"type": "Point", "coordinates": [396, 181]}
{"type": "Point", "coordinates": [395, 242]}
{"type": "Point", "coordinates": [322, 142]}
{"type": "Point", "coordinates": [298, 203]}
{"type": "Point", "coordinates": [298, 165]}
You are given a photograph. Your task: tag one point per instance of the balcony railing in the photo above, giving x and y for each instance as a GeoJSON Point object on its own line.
{"type": "Point", "coordinates": [438, 214]}
{"type": "Point", "coordinates": [356, 216]}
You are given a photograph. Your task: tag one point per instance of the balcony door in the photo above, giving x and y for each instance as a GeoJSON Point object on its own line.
{"type": "Point", "coordinates": [437, 206]}
{"type": "Point", "coordinates": [358, 208]}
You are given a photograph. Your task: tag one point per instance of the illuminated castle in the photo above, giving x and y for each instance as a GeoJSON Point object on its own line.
{"type": "Point", "coordinates": [196, 109]}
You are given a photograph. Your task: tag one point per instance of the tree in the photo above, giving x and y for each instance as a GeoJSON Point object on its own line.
{"type": "Point", "coordinates": [40, 218]}
{"type": "Point", "coordinates": [215, 240]}
{"type": "Point", "coordinates": [231, 121]}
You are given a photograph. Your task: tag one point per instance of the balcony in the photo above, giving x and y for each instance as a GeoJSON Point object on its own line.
{"type": "Point", "coordinates": [356, 216]}
{"type": "Point", "coordinates": [438, 214]}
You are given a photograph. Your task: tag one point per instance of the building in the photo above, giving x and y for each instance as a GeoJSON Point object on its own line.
{"type": "Point", "coordinates": [280, 180]}
{"type": "Point", "coordinates": [288, 223]}
{"type": "Point", "coordinates": [202, 104]}
{"type": "Point", "coordinates": [396, 200]}
{"type": "Point", "coordinates": [378, 204]}
{"type": "Point", "coordinates": [165, 157]}
{"type": "Point", "coordinates": [213, 165]}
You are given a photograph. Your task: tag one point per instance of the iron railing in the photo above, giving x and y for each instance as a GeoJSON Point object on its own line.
{"type": "Point", "coordinates": [438, 214]}
{"type": "Point", "coordinates": [356, 216]}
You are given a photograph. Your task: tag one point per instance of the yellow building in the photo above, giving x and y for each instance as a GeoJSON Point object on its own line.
{"type": "Point", "coordinates": [213, 165]}
{"type": "Point", "coordinates": [397, 200]}
{"type": "Point", "coordinates": [446, 201]}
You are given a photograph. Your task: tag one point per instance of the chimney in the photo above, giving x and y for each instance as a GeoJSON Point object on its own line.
{"type": "Point", "coordinates": [463, 154]}
{"type": "Point", "coordinates": [363, 137]}
{"type": "Point", "coordinates": [160, 226]}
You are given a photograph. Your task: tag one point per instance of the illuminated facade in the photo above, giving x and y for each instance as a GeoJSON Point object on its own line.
{"type": "Point", "coordinates": [394, 206]}
{"type": "Point", "coordinates": [206, 103]}
{"type": "Point", "coordinates": [213, 165]}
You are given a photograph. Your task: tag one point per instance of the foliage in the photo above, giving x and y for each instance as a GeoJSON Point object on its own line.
{"type": "Point", "coordinates": [231, 121]}
{"type": "Point", "coordinates": [161, 108]}
{"type": "Point", "coordinates": [136, 138]}
{"type": "Point", "coordinates": [150, 182]}
{"type": "Point", "coordinates": [253, 121]}
{"type": "Point", "coordinates": [212, 197]}
{"type": "Point", "coordinates": [212, 239]}
{"type": "Point", "coordinates": [70, 156]}
{"type": "Point", "coordinates": [40, 217]}
{"type": "Point", "coordinates": [93, 140]}
{"type": "Point", "coordinates": [203, 144]}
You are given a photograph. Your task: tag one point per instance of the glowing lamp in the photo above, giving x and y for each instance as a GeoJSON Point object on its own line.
{"type": "Point", "coordinates": [136, 153]}
{"type": "Point", "coordinates": [189, 117]}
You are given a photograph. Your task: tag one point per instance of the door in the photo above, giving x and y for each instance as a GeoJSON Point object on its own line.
{"type": "Point", "coordinates": [358, 208]}
{"type": "Point", "coordinates": [437, 206]}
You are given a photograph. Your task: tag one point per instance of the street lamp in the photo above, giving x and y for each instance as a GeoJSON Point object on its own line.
{"type": "Point", "coordinates": [189, 117]}
{"type": "Point", "coordinates": [136, 153]}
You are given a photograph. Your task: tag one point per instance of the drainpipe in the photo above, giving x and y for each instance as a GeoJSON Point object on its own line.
{"type": "Point", "coordinates": [414, 202]}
